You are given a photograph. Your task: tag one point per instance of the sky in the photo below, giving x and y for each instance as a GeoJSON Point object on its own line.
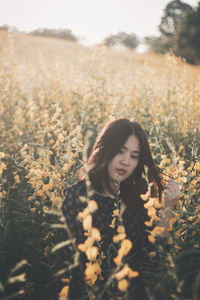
{"type": "Point", "coordinates": [91, 20]}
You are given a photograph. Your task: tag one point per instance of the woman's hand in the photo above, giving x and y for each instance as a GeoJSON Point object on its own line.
{"type": "Point", "coordinates": [171, 194]}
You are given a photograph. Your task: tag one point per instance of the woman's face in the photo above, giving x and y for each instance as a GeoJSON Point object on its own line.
{"type": "Point", "coordinates": [125, 162]}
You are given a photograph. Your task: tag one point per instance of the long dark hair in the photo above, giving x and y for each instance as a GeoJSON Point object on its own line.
{"type": "Point", "coordinates": [108, 143]}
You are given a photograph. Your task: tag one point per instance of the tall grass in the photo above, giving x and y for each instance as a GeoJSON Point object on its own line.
{"type": "Point", "coordinates": [46, 108]}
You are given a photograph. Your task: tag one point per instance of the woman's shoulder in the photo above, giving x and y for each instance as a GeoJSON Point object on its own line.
{"type": "Point", "coordinates": [71, 203]}
{"type": "Point", "coordinates": [76, 189]}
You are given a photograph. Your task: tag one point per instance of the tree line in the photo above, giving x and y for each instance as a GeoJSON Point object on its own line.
{"type": "Point", "coordinates": [179, 33]}
{"type": "Point", "coordinates": [55, 33]}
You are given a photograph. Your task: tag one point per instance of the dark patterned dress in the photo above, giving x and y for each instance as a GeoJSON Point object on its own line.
{"type": "Point", "coordinates": [102, 218]}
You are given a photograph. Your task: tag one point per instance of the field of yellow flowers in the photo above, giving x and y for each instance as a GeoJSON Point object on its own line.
{"type": "Point", "coordinates": [52, 93]}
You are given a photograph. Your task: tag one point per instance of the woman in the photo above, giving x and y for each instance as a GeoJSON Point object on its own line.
{"type": "Point", "coordinates": [115, 170]}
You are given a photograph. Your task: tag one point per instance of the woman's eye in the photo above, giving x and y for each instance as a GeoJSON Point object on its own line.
{"type": "Point", "coordinates": [135, 157]}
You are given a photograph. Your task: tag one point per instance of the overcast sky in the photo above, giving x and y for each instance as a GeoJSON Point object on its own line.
{"type": "Point", "coordinates": [91, 19]}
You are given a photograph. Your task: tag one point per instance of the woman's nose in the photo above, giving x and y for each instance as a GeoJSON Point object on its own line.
{"type": "Point", "coordinates": [125, 160]}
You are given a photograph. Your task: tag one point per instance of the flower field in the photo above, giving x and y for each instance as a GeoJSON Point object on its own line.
{"type": "Point", "coordinates": [55, 96]}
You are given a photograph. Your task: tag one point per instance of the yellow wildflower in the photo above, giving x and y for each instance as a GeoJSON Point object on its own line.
{"type": "Point", "coordinates": [121, 229]}
{"type": "Point", "coordinates": [151, 211]}
{"type": "Point", "coordinates": [145, 196]}
{"type": "Point", "coordinates": [151, 239]}
{"type": "Point", "coordinates": [149, 203]}
{"type": "Point", "coordinates": [126, 246]}
{"type": "Point", "coordinates": [91, 253]}
{"type": "Point", "coordinates": [92, 271]}
{"type": "Point", "coordinates": [87, 222]}
{"type": "Point", "coordinates": [84, 213]}
{"type": "Point", "coordinates": [115, 213]}
{"type": "Point", "coordinates": [112, 225]}
{"type": "Point", "coordinates": [95, 234]}
{"type": "Point", "coordinates": [126, 271]}
{"type": "Point", "coordinates": [88, 243]}
{"type": "Point", "coordinates": [64, 291]}
{"type": "Point", "coordinates": [2, 155]}
{"type": "Point", "coordinates": [123, 285]}
{"type": "Point", "coordinates": [157, 230]}
{"type": "Point", "coordinates": [119, 237]}
{"type": "Point", "coordinates": [92, 205]}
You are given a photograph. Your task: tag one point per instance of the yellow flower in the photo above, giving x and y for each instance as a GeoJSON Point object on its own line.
{"type": "Point", "coordinates": [2, 167]}
{"type": "Point", "coordinates": [197, 166]}
{"type": "Point", "coordinates": [183, 179]}
{"type": "Point", "coordinates": [84, 213]}
{"type": "Point", "coordinates": [115, 213]}
{"type": "Point", "coordinates": [65, 280]}
{"type": "Point", "coordinates": [95, 234]}
{"type": "Point", "coordinates": [17, 180]}
{"type": "Point", "coordinates": [149, 203]}
{"type": "Point", "coordinates": [170, 241]}
{"type": "Point", "coordinates": [88, 243]}
{"type": "Point", "coordinates": [171, 223]}
{"type": "Point", "coordinates": [119, 237]}
{"type": "Point", "coordinates": [125, 247]}
{"type": "Point", "coordinates": [126, 271]}
{"type": "Point", "coordinates": [151, 211]}
{"type": "Point", "coordinates": [118, 260]}
{"type": "Point", "coordinates": [157, 230]}
{"type": "Point", "coordinates": [39, 193]}
{"type": "Point", "coordinates": [181, 148]}
{"type": "Point", "coordinates": [121, 229]}
{"type": "Point", "coordinates": [149, 223]}
{"type": "Point", "coordinates": [151, 239]}
{"type": "Point", "coordinates": [45, 208]}
{"type": "Point", "coordinates": [123, 285]}
{"type": "Point", "coordinates": [145, 196]}
{"type": "Point", "coordinates": [64, 291]}
{"type": "Point", "coordinates": [152, 254]}
{"type": "Point", "coordinates": [112, 225]}
{"type": "Point", "coordinates": [92, 205]}
{"type": "Point", "coordinates": [91, 253]}
{"type": "Point", "coordinates": [61, 138]}
{"type": "Point", "coordinates": [92, 271]}
{"type": "Point", "coordinates": [87, 222]}
{"type": "Point", "coordinates": [2, 155]}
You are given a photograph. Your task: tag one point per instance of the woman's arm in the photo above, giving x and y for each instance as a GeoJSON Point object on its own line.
{"type": "Point", "coordinates": [171, 195]}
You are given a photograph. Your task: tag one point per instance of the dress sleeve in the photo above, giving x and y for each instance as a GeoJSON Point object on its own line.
{"type": "Point", "coordinates": [70, 208]}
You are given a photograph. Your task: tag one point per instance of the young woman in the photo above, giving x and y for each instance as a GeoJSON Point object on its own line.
{"type": "Point", "coordinates": [115, 170]}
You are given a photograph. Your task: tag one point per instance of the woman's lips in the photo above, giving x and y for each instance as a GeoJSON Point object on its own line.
{"type": "Point", "coordinates": [121, 172]}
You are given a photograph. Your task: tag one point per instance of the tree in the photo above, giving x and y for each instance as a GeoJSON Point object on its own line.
{"type": "Point", "coordinates": [57, 33]}
{"type": "Point", "coordinates": [157, 44]}
{"type": "Point", "coordinates": [8, 28]}
{"type": "Point", "coordinates": [179, 32]}
{"type": "Point", "coordinates": [174, 13]}
{"type": "Point", "coordinates": [128, 40]}
{"type": "Point", "coordinates": [186, 41]}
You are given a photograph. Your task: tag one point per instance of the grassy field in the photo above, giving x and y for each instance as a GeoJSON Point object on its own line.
{"type": "Point", "coordinates": [52, 92]}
